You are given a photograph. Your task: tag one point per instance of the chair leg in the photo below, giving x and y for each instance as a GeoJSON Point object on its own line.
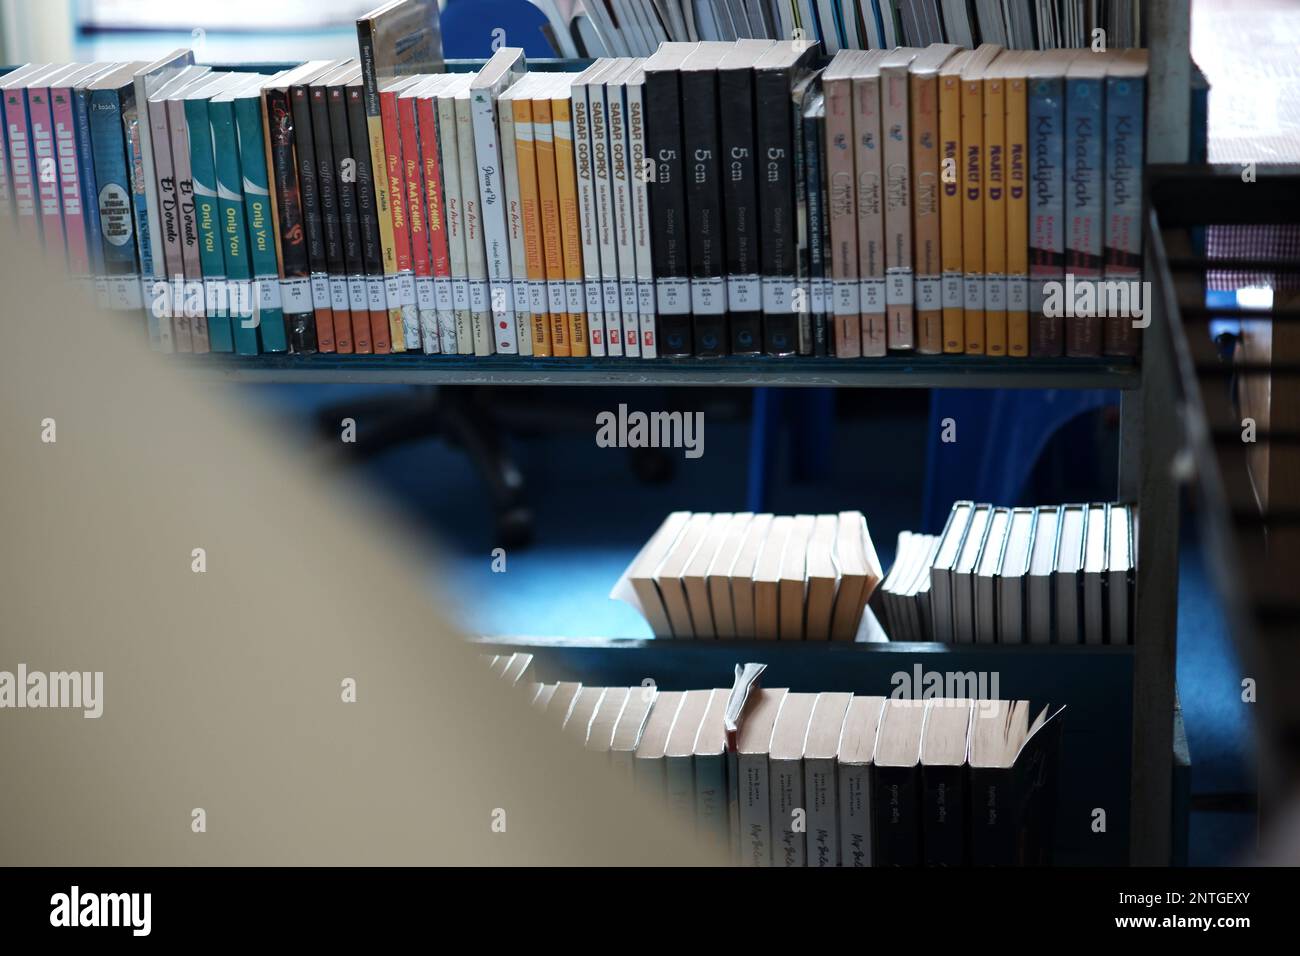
{"type": "Point", "coordinates": [466, 423]}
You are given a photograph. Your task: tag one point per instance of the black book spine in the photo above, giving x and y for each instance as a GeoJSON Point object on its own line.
{"type": "Point", "coordinates": [897, 804]}
{"type": "Point", "coordinates": [349, 227]}
{"type": "Point", "coordinates": [367, 213]}
{"type": "Point", "coordinates": [294, 262]}
{"type": "Point", "coordinates": [817, 234]}
{"type": "Point", "coordinates": [305, 156]}
{"type": "Point", "coordinates": [740, 210]}
{"type": "Point", "coordinates": [943, 816]}
{"type": "Point", "coordinates": [704, 212]}
{"type": "Point", "coordinates": [802, 305]}
{"type": "Point", "coordinates": [774, 140]}
{"type": "Point", "coordinates": [331, 229]}
{"type": "Point", "coordinates": [667, 198]}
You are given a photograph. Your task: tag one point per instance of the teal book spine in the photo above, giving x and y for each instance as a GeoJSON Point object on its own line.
{"type": "Point", "coordinates": [261, 235]}
{"type": "Point", "coordinates": [233, 230]}
{"type": "Point", "coordinates": [203, 172]}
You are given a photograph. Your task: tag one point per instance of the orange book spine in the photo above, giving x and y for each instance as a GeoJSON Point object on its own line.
{"type": "Point", "coordinates": [566, 180]}
{"type": "Point", "coordinates": [972, 212]}
{"type": "Point", "coordinates": [548, 203]}
{"type": "Point", "coordinates": [526, 157]}
{"type": "Point", "coordinates": [1017, 166]}
{"type": "Point", "coordinates": [995, 215]}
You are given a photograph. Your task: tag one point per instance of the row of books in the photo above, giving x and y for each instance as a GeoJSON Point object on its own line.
{"type": "Point", "coordinates": [779, 778]}
{"type": "Point", "coordinates": [786, 577]}
{"type": "Point", "coordinates": [593, 213]}
{"type": "Point", "coordinates": [1058, 574]}
{"type": "Point", "coordinates": [636, 27]}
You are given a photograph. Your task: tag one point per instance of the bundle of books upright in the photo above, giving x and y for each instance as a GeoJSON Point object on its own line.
{"type": "Point", "coordinates": [772, 777]}
{"type": "Point", "coordinates": [713, 199]}
{"type": "Point", "coordinates": [756, 576]}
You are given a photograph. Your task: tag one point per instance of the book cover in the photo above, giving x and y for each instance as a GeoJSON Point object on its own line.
{"type": "Point", "coordinates": [336, 271]}
{"type": "Point", "coordinates": [46, 164]}
{"type": "Point", "coordinates": [620, 184]}
{"type": "Point", "coordinates": [22, 156]}
{"type": "Point", "coordinates": [385, 321]}
{"type": "Point", "coordinates": [90, 190]}
{"type": "Point", "coordinates": [974, 161]}
{"type": "Point", "coordinates": [923, 106]}
{"type": "Point", "coordinates": [529, 201]}
{"type": "Point", "coordinates": [995, 208]}
{"type": "Point", "coordinates": [587, 227]}
{"type": "Point", "coordinates": [610, 291]}
{"type": "Point", "coordinates": [73, 200]}
{"type": "Point", "coordinates": [566, 183]}
{"type": "Point", "coordinates": [448, 139]}
{"type": "Point", "coordinates": [1046, 94]}
{"type": "Point", "coordinates": [1085, 199]}
{"type": "Point", "coordinates": [13, 81]}
{"type": "Point", "coordinates": [1125, 122]}
{"type": "Point", "coordinates": [951, 201]}
{"type": "Point", "coordinates": [232, 227]}
{"type": "Point", "coordinates": [394, 175]}
{"type": "Point", "coordinates": [435, 206]}
{"type": "Point", "coordinates": [817, 283]}
{"type": "Point", "coordinates": [369, 333]}
{"type": "Point", "coordinates": [515, 224]}
{"type": "Point", "coordinates": [895, 125]}
{"type": "Point", "coordinates": [640, 164]}
{"type": "Point", "coordinates": [304, 150]}
{"type": "Point", "coordinates": [108, 95]}
{"type": "Point", "coordinates": [207, 218]}
{"type": "Point", "coordinates": [843, 212]}
{"type": "Point", "coordinates": [1017, 187]}
{"type": "Point", "coordinates": [548, 203]}
{"type": "Point", "coordinates": [417, 218]}
{"type": "Point", "coordinates": [476, 268]}
{"type": "Point", "coordinates": [868, 166]}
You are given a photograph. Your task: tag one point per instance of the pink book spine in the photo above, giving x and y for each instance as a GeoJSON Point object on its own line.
{"type": "Point", "coordinates": [74, 214]}
{"type": "Point", "coordinates": [20, 159]}
{"type": "Point", "coordinates": [46, 172]}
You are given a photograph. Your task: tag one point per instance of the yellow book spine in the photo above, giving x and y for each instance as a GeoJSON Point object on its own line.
{"type": "Point", "coordinates": [548, 202]}
{"type": "Point", "coordinates": [379, 163]}
{"type": "Point", "coordinates": [950, 203]}
{"type": "Point", "coordinates": [566, 179]}
{"type": "Point", "coordinates": [995, 217]}
{"type": "Point", "coordinates": [526, 160]}
{"type": "Point", "coordinates": [972, 212]}
{"type": "Point", "coordinates": [1017, 216]}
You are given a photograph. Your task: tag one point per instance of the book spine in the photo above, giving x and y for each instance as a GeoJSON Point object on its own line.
{"type": "Point", "coordinates": [472, 221]}
{"type": "Point", "coordinates": [548, 202]}
{"type": "Point", "coordinates": [260, 221]}
{"type": "Point", "coordinates": [6, 184]}
{"type": "Point", "coordinates": [203, 174]}
{"type": "Point", "coordinates": [381, 293]}
{"type": "Point", "coordinates": [530, 207]}
{"type": "Point", "coordinates": [295, 266]}
{"type": "Point", "coordinates": [232, 229]}
{"type": "Point", "coordinates": [570, 241]}
{"type": "Point", "coordinates": [843, 214]}
{"type": "Point", "coordinates": [1084, 133]}
{"type": "Point", "coordinates": [116, 218]}
{"type": "Point", "coordinates": [160, 327]}
{"type": "Point", "coordinates": [898, 824]}
{"type": "Point", "coordinates": [187, 212]}
{"type": "Point", "coordinates": [950, 208]}
{"type": "Point", "coordinates": [621, 220]}
{"type": "Point", "coordinates": [89, 188]}
{"type": "Point", "coordinates": [972, 212]}
{"type": "Point", "coordinates": [815, 190]}
{"type": "Point", "coordinates": [869, 195]}
{"type": "Point", "coordinates": [820, 799]}
{"type": "Point", "coordinates": [610, 294]}
{"type": "Point", "coordinates": [379, 187]}
{"type": "Point", "coordinates": [943, 816]}
{"type": "Point", "coordinates": [1046, 210]}
{"type": "Point", "coordinates": [20, 157]}
{"type": "Point", "coordinates": [755, 810]}
{"type": "Point", "coordinates": [924, 107]}
{"type": "Point", "coordinates": [336, 274]}
{"type": "Point", "coordinates": [395, 177]}
{"type": "Point", "coordinates": [995, 218]}
{"type": "Point", "coordinates": [640, 165]}
{"type": "Point", "coordinates": [1017, 166]}
{"type": "Point", "coordinates": [789, 844]}
{"type": "Point", "coordinates": [799, 302]}
{"type": "Point", "coordinates": [148, 238]}
{"type": "Point", "coordinates": [492, 212]}
{"type": "Point", "coordinates": [740, 210]}
{"type": "Point", "coordinates": [47, 175]}
{"type": "Point", "coordinates": [72, 199]}
{"type": "Point", "coordinates": [355, 272]}
{"type": "Point", "coordinates": [711, 817]}
{"type": "Point", "coordinates": [169, 238]}
{"type": "Point", "coordinates": [417, 219]}
{"type": "Point", "coordinates": [1125, 105]}
{"type": "Point", "coordinates": [304, 150]}
{"type": "Point", "coordinates": [588, 229]}
{"type": "Point", "coordinates": [704, 212]}
{"type": "Point", "coordinates": [774, 138]}
{"type": "Point", "coordinates": [855, 815]}
{"type": "Point", "coordinates": [992, 817]}
{"type": "Point", "coordinates": [896, 140]}
{"type": "Point", "coordinates": [447, 136]}
{"type": "Point", "coordinates": [679, 779]}
{"type": "Point", "coordinates": [667, 200]}
{"type": "Point", "coordinates": [436, 218]}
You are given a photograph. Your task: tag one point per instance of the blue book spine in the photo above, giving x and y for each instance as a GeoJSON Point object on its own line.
{"type": "Point", "coordinates": [261, 231]}
{"type": "Point", "coordinates": [89, 187]}
{"type": "Point", "coordinates": [116, 214]}
{"type": "Point", "coordinates": [234, 232]}
{"type": "Point", "coordinates": [1084, 156]}
{"type": "Point", "coordinates": [1046, 207]}
{"type": "Point", "coordinates": [1125, 103]}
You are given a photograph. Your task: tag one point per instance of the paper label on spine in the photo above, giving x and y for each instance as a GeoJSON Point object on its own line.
{"type": "Point", "coordinates": [929, 293]}
{"type": "Point", "coordinates": [377, 293]}
{"type": "Point", "coordinates": [442, 294]}
{"type": "Point", "coordinates": [995, 293]}
{"type": "Point", "coordinates": [708, 296]}
{"type": "Point", "coordinates": [320, 291]}
{"type": "Point", "coordinates": [673, 294]}
{"type": "Point", "coordinates": [479, 296]}
{"type": "Point", "coordinates": [1017, 294]}
{"type": "Point", "coordinates": [744, 293]}
{"type": "Point", "coordinates": [953, 294]}
{"type": "Point", "coordinates": [872, 292]}
{"type": "Point", "coordinates": [627, 297]}
{"type": "Point", "coordinates": [823, 296]}
{"type": "Point", "coordinates": [973, 292]}
{"type": "Point", "coordinates": [1038, 293]}
{"type": "Point", "coordinates": [595, 301]}
{"type": "Point", "coordinates": [268, 293]}
{"type": "Point", "coordinates": [519, 290]}
{"type": "Point", "coordinates": [777, 292]}
{"type": "Point", "coordinates": [125, 293]}
{"type": "Point", "coordinates": [460, 294]}
{"type": "Point", "coordinates": [358, 297]}
{"type": "Point", "coordinates": [296, 295]}
{"type": "Point", "coordinates": [406, 288]}
{"type": "Point", "coordinates": [555, 295]}
{"type": "Point", "coordinates": [613, 295]}
{"type": "Point", "coordinates": [425, 298]}
{"type": "Point", "coordinates": [339, 294]}
{"type": "Point", "coordinates": [645, 298]}
{"type": "Point", "coordinates": [537, 303]}
{"type": "Point", "coordinates": [846, 297]}
{"type": "Point", "coordinates": [393, 291]}
{"type": "Point", "coordinates": [575, 296]}
{"type": "Point", "coordinates": [898, 287]}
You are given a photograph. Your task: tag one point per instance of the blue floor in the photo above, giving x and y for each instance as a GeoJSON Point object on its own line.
{"type": "Point", "coordinates": [592, 515]}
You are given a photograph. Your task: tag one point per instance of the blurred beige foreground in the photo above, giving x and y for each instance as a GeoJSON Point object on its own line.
{"type": "Point", "coordinates": [222, 690]}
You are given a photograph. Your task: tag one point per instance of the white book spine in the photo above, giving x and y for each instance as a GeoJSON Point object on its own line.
{"type": "Point", "coordinates": [855, 814]}
{"type": "Point", "coordinates": [619, 175]}
{"type": "Point", "coordinates": [680, 776]}
{"type": "Point", "coordinates": [755, 805]}
{"type": "Point", "coordinates": [582, 144]}
{"type": "Point", "coordinates": [515, 230]}
{"type": "Point", "coordinates": [492, 209]}
{"type": "Point", "coordinates": [821, 799]}
{"type": "Point", "coordinates": [789, 816]}
{"type": "Point", "coordinates": [641, 220]}
{"type": "Point", "coordinates": [475, 253]}
{"type": "Point", "coordinates": [711, 823]}
{"type": "Point", "coordinates": [455, 224]}
{"type": "Point", "coordinates": [610, 296]}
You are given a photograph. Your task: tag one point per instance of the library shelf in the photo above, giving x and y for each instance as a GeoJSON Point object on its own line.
{"type": "Point", "coordinates": [894, 371]}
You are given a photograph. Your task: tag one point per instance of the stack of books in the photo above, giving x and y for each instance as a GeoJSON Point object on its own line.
{"type": "Point", "coordinates": [1057, 574]}
{"type": "Point", "coordinates": [636, 27]}
{"type": "Point", "coordinates": [712, 199]}
{"type": "Point", "coordinates": [772, 777]}
{"type": "Point", "coordinates": [792, 578]}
